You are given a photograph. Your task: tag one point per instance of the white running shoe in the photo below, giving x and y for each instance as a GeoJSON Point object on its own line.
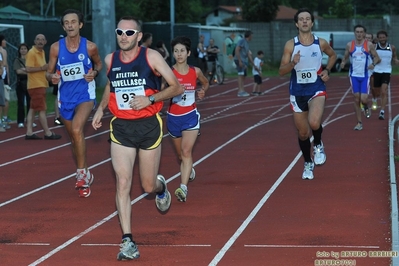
{"type": "Point", "coordinates": [163, 203]}
{"type": "Point", "coordinates": [128, 250]}
{"type": "Point", "coordinates": [192, 175]}
{"type": "Point", "coordinates": [181, 194]}
{"type": "Point", "coordinates": [319, 154]}
{"type": "Point", "coordinates": [308, 170]}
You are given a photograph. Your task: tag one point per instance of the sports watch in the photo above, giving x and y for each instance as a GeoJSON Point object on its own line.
{"type": "Point", "coordinates": [152, 99]}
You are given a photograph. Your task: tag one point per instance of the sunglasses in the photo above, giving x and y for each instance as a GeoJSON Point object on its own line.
{"type": "Point", "coordinates": [126, 32]}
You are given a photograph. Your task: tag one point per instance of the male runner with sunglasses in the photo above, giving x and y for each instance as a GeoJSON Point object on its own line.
{"type": "Point", "coordinates": [133, 95]}
{"type": "Point", "coordinates": [78, 63]}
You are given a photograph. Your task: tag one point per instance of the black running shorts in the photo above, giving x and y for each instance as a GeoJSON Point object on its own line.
{"type": "Point", "coordinates": [145, 133]}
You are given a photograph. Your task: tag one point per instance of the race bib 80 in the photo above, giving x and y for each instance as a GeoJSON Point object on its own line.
{"type": "Point", "coordinates": [306, 76]}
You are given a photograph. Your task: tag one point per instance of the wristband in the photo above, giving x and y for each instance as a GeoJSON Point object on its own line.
{"type": "Point", "coordinates": [328, 71]}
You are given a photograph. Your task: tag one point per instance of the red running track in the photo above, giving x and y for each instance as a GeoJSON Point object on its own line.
{"type": "Point", "coordinates": [247, 206]}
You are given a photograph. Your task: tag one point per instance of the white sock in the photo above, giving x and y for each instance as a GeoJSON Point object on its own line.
{"type": "Point", "coordinates": [184, 187]}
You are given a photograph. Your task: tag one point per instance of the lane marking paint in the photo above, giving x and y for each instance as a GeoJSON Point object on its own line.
{"type": "Point", "coordinates": [309, 246]}
{"type": "Point", "coordinates": [143, 245]}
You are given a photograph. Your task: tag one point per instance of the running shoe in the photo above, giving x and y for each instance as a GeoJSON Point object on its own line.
{"type": "Point", "coordinates": [192, 175]}
{"type": "Point", "coordinates": [163, 201]}
{"type": "Point", "coordinates": [20, 125]}
{"type": "Point", "coordinates": [374, 105]}
{"type": "Point", "coordinates": [358, 127]}
{"type": "Point", "coordinates": [242, 94]}
{"type": "Point", "coordinates": [382, 116]}
{"type": "Point", "coordinates": [128, 250]}
{"type": "Point", "coordinates": [319, 154]}
{"type": "Point", "coordinates": [308, 170]}
{"type": "Point", "coordinates": [367, 111]}
{"type": "Point", "coordinates": [58, 122]}
{"type": "Point", "coordinates": [5, 125]}
{"type": "Point", "coordinates": [83, 183]}
{"type": "Point", "coordinates": [181, 194]}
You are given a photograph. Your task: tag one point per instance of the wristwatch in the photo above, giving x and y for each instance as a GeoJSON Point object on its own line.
{"type": "Point", "coordinates": [152, 99]}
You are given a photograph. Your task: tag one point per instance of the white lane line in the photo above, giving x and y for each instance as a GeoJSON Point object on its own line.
{"type": "Point", "coordinates": [310, 246]}
{"type": "Point", "coordinates": [251, 216]}
{"type": "Point", "coordinates": [143, 245]}
{"type": "Point", "coordinates": [48, 150]}
{"type": "Point", "coordinates": [26, 244]}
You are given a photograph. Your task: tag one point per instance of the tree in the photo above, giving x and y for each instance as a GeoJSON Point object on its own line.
{"type": "Point", "coordinates": [343, 8]}
{"type": "Point", "coordinates": [259, 10]}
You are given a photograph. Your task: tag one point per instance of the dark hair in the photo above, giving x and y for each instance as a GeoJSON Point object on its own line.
{"type": "Point", "coordinates": [72, 11]}
{"type": "Point", "coordinates": [247, 34]}
{"type": "Point", "coordinates": [132, 18]}
{"type": "Point", "coordinates": [159, 44]}
{"type": "Point", "coordinates": [181, 40]}
{"type": "Point", "coordinates": [2, 38]}
{"type": "Point", "coordinates": [382, 32]}
{"type": "Point", "coordinates": [360, 26]}
{"type": "Point", "coordinates": [146, 36]}
{"type": "Point", "coordinates": [260, 52]}
{"type": "Point", "coordinates": [303, 10]}
{"type": "Point", "coordinates": [19, 48]}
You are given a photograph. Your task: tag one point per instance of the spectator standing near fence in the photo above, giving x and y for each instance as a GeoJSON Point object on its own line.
{"type": "Point", "coordinates": [242, 59]}
{"type": "Point", "coordinates": [6, 79]}
{"type": "Point", "coordinates": [36, 67]}
{"type": "Point", "coordinates": [22, 84]}
{"type": "Point", "coordinates": [201, 51]}
{"type": "Point", "coordinates": [212, 51]}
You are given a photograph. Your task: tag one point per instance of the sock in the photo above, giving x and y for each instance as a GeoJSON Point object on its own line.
{"type": "Point", "coordinates": [184, 187]}
{"type": "Point", "coordinates": [81, 170]}
{"type": "Point", "coordinates": [305, 148]}
{"type": "Point", "coordinates": [317, 135]}
{"type": "Point", "coordinates": [130, 236]}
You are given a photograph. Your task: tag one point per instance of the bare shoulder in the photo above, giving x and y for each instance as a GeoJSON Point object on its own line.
{"type": "Point", "coordinates": [55, 46]}
{"type": "Point", "coordinates": [108, 58]}
{"type": "Point", "coordinates": [289, 46]}
{"type": "Point", "coordinates": [153, 54]}
{"type": "Point", "coordinates": [91, 46]}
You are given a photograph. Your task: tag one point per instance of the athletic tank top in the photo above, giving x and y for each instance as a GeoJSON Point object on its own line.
{"type": "Point", "coordinates": [73, 88]}
{"type": "Point", "coordinates": [360, 57]}
{"type": "Point", "coordinates": [128, 79]}
{"type": "Point", "coordinates": [385, 66]}
{"type": "Point", "coordinates": [184, 103]}
{"type": "Point", "coordinates": [305, 78]}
